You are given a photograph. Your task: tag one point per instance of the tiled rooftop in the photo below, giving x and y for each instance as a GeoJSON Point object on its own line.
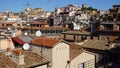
{"type": "Point", "coordinates": [77, 32]}
{"type": "Point", "coordinates": [26, 39]}
{"type": "Point", "coordinates": [46, 28]}
{"type": "Point", "coordinates": [45, 23]}
{"type": "Point", "coordinates": [6, 62]}
{"type": "Point", "coordinates": [43, 41]}
{"type": "Point", "coordinates": [75, 50]}
{"type": "Point", "coordinates": [95, 44]}
{"type": "Point", "coordinates": [18, 52]}
{"type": "Point", "coordinates": [31, 59]}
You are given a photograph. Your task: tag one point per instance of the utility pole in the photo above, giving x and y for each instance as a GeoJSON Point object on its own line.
{"type": "Point", "coordinates": [28, 6]}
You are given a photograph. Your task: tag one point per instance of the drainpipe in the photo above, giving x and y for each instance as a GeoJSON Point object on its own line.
{"type": "Point", "coordinates": [68, 63]}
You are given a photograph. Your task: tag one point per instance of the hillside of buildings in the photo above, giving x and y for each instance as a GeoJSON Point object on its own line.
{"type": "Point", "coordinates": [70, 37]}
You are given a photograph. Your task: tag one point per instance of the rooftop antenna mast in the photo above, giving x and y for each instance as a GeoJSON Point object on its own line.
{"type": "Point", "coordinates": [28, 5]}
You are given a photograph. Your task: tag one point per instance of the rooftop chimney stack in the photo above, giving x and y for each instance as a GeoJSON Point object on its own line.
{"type": "Point", "coordinates": [18, 56]}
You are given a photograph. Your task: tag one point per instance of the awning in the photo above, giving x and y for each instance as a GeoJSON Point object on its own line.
{"type": "Point", "coordinates": [19, 41]}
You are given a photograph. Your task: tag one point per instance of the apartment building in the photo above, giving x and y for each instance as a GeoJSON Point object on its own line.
{"type": "Point", "coordinates": [79, 59]}
{"type": "Point", "coordinates": [106, 30]}
{"type": "Point", "coordinates": [115, 12]}
{"type": "Point", "coordinates": [62, 54]}
{"type": "Point", "coordinates": [1, 16]}
{"type": "Point", "coordinates": [65, 14]}
{"type": "Point", "coordinates": [56, 51]}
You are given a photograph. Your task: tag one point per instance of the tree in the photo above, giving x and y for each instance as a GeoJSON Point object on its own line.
{"type": "Point", "coordinates": [110, 18]}
{"type": "Point", "coordinates": [83, 9]}
{"type": "Point", "coordinates": [89, 8]}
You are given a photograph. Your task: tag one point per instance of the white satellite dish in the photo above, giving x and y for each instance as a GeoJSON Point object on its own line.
{"type": "Point", "coordinates": [26, 46]}
{"type": "Point", "coordinates": [9, 28]}
{"type": "Point", "coordinates": [38, 33]}
{"type": "Point", "coordinates": [26, 33]}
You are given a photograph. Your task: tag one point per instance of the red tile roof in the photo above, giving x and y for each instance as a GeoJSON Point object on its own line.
{"type": "Point", "coordinates": [19, 41]}
{"type": "Point", "coordinates": [6, 62]}
{"type": "Point", "coordinates": [46, 28]}
{"type": "Point", "coordinates": [18, 51]}
{"type": "Point", "coordinates": [31, 60]}
{"type": "Point", "coordinates": [48, 42]}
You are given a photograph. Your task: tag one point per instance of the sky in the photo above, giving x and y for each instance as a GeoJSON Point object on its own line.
{"type": "Point", "coordinates": [50, 5]}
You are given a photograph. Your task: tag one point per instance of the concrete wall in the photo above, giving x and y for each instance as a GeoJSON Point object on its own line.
{"type": "Point", "coordinates": [83, 58]}
{"type": "Point", "coordinates": [19, 59]}
{"type": "Point", "coordinates": [6, 43]}
{"type": "Point", "coordinates": [60, 55]}
{"type": "Point", "coordinates": [18, 33]}
{"type": "Point", "coordinates": [43, 51]}
{"type": "Point", "coordinates": [43, 66]}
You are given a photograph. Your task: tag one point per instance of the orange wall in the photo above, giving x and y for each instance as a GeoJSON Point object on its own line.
{"type": "Point", "coordinates": [1, 16]}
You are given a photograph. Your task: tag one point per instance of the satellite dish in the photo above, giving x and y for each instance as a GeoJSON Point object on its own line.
{"type": "Point", "coordinates": [38, 33]}
{"type": "Point", "coordinates": [26, 46]}
{"type": "Point", "coordinates": [25, 33]}
{"type": "Point", "coordinates": [9, 28]}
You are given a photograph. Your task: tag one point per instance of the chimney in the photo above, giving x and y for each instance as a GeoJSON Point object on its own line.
{"type": "Point", "coordinates": [18, 56]}
{"type": "Point", "coordinates": [8, 53]}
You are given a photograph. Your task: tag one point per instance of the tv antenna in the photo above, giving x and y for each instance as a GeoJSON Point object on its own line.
{"type": "Point", "coordinates": [28, 5]}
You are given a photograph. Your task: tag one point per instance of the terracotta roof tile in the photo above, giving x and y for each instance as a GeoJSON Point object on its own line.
{"type": "Point", "coordinates": [6, 62]}
{"type": "Point", "coordinates": [75, 50]}
{"type": "Point", "coordinates": [46, 28]}
{"type": "Point", "coordinates": [18, 52]}
{"type": "Point", "coordinates": [44, 23]}
{"type": "Point", "coordinates": [42, 41]}
{"type": "Point", "coordinates": [77, 32]}
{"type": "Point", "coordinates": [33, 59]}
{"type": "Point", "coordinates": [95, 44]}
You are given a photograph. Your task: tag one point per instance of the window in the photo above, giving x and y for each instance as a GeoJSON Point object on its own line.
{"type": "Point", "coordinates": [107, 39]}
{"type": "Point", "coordinates": [87, 64]}
{"type": "Point", "coordinates": [91, 37]}
{"type": "Point", "coordinates": [81, 65]}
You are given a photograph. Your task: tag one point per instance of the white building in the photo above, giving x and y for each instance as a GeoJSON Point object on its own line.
{"type": "Point", "coordinates": [63, 15]}
{"type": "Point", "coordinates": [14, 19]}
{"type": "Point", "coordinates": [61, 54]}
{"type": "Point", "coordinates": [76, 26]}
{"type": "Point", "coordinates": [79, 58]}
{"type": "Point", "coordinates": [56, 51]}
